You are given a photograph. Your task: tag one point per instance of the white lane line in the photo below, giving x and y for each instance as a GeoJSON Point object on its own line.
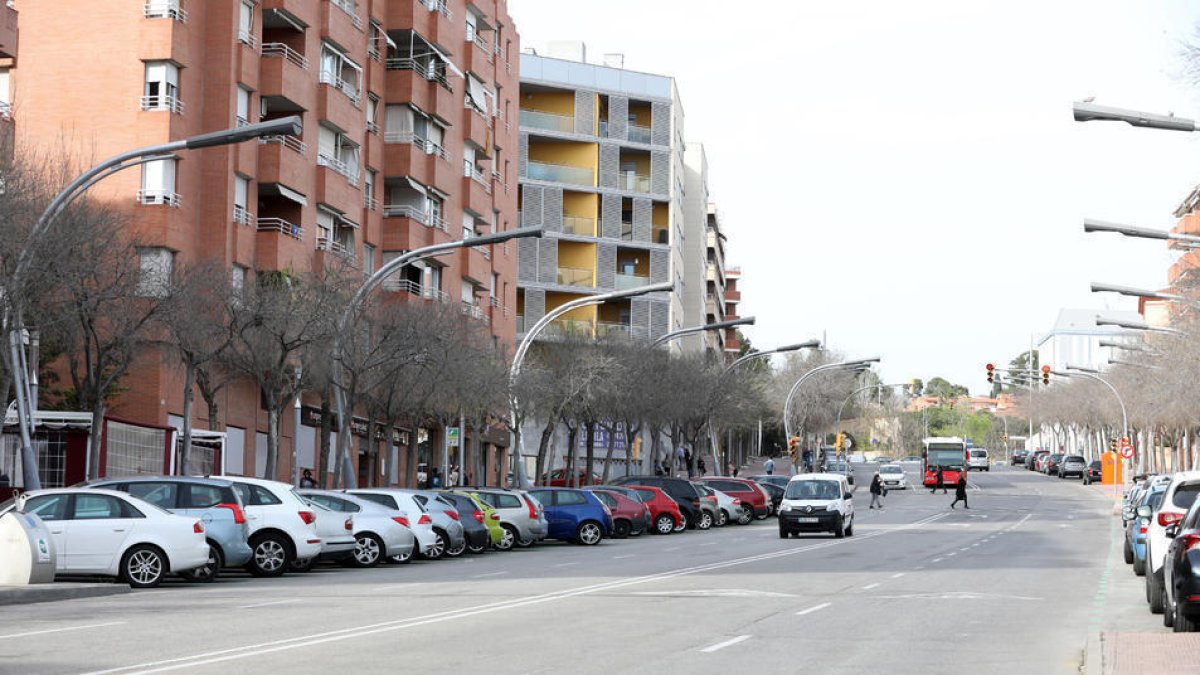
{"type": "Point", "coordinates": [897, 575]}
{"type": "Point", "coordinates": [727, 643]}
{"type": "Point", "coordinates": [268, 604]}
{"type": "Point", "coordinates": [566, 564]}
{"type": "Point", "coordinates": [937, 560]}
{"type": "Point", "coordinates": [709, 543]}
{"type": "Point", "coordinates": [392, 587]}
{"type": "Point", "coordinates": [810, 610]}
{"type": "Point", "coordinates": [621, 557]}
{"type": "Point", "coordinates": [671, 548]}
{"type": "Point", "coordinates": [964, 549]}
{"type": "Point", "coordinates": [489, 574]}
{"type": "Point", "coordinates": [361, 631]}
{"type": "Point", "coordinates": [951, 554]}
{"type": "Point", "coordinates": [60, 630]}
{"type": "Point", "coordinates": [870, 586]}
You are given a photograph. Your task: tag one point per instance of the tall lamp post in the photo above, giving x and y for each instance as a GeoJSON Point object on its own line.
{"type": "Point", "coordinates": [520, 479]}
{"type": "Point", "coordinates": [719, 325]}
{"type": "Point", "coordinates": [14, 301]}
{"type": "Point", "coordinates": [841, 365]}
{"type": "Point", "coordinates": [1079, 372]}
{"type": "Point", "coordinates": [355, 305]}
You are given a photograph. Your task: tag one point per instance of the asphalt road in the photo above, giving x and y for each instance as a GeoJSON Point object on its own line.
{"type": "Point", "coordinates": [1006, 587]}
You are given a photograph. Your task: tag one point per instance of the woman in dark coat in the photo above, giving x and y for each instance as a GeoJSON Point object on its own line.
{"type": "Point", "coordinates": [960, 492]}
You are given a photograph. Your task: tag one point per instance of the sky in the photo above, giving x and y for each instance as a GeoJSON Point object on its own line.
{"type": "Point", "coordinates": [906, 177]}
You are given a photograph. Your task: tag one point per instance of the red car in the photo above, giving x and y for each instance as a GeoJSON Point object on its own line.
{"type": "Point", "coordinates": [562, 478]}
{"type": "Point", "coordinates": [752, 496]}
{"type": "Point", "coordinates": [665, 515]}
{"type": "Point", "coordinates": [630, 516]}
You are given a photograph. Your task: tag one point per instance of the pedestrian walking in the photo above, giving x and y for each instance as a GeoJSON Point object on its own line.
{"type": "Point", "coordinates": [306, 481]}
{"type": "Point", "coordinates": [731, 469]}
{"type": "Point", "coordinates": [769, 466]}
{"type": "Point", "coordinates": [435, 480]}
{"type": "Point", "coordinates": [701, 467]}
{"type": "Point", "coordinates": [877, 492]}
{"type": "Point", "coordinates": [960, 492]}
{"type": "Point", "coordinates": [680, 458]}
{"type": "Point", "coordinates": [453, 474]}
{"type": "Point", "coordinates": [940, 481]}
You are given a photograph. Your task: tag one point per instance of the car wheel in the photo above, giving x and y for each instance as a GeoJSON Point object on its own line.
{"type": "Point", "coordinates": [1154, 593]}
{"type": "Point", "coordinates": [402, 558]}
{"type": "Point", "coordinates": [664, 524]}
{"type": "Point", "coordinates": [439, 546]}
{"type": "Point", "coordinates": [1184, 624]}
{"type": "Point", "coordinates": [508, 540]}
{"type": "Point", "coordinates": [705, 521]}
{"type": "Point", "coordinates": [1139, 567]}
{"type": "Point", "coordinates": [762, 517]}
{"type": "Point", "coordinates": [622, 528]}
{"type": "Point", "coordinates": [143, 566]}
{"type": "Point", "coordinates": [521, 543]}
{"type": "Point", "coordinates": [746, 517]}
{"type": "Point", "coordinates": [209, 571]}
{"type": "Point", "coordinates": [722, 518]}
{"type": "Point", "coordinates": [589, 534]}
{"type": "Point", "coordinates": [368, 550]}
{"type": "Point", "coordinates": [270, 556]}
{"type": "Point", "coordinates": [839, 531]}
{"type": "Point", "coordinates": [783, 534]}
{"type": "Point", "coordinates": [1168, 616]}
{"type": "Point", "coordinates": [455, 552]}
{"type": "Point", "coordinates": [850, 528]}
{"type": "Point", "coordinates": [682, 524]}
{"type": "Point", "coordinates": [302, 565]}
{"type": "Point", "coordinates": [471, 548]}
{"type": "Point", "coordinates": [1128, 553]}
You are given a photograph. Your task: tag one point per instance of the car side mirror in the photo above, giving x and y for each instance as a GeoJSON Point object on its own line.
{"type": "Point", "coordinates": [1143, 511]}
{"type": "Point", "coordinates": [1172, 530]}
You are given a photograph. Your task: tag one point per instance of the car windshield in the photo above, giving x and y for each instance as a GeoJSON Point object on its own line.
{"type": "Point", "coordinates": [890, 469]}
{"type": "Point", "coordinates": [979, 453]}
{"type": "Point", "coordinates": [812, 489]}
{"type": "Point", "coordinates": [1184, 495]}
{"type": "Point", "coordinates": [1076, 459]}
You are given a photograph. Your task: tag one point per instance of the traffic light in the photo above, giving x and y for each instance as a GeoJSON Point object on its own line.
{"type": "Point", "coordinates": [794, 448]}
{"type": "Point", "coordinates": [991, 373]}
{"type": "Point", "coordinates": [1046, 374]}
{"type": "Point", "coordinates": [840, 443]}
{"type": "Point", "coordinates": [1112, 445]}
{"type": "Point", "coordinates": [637, 449]}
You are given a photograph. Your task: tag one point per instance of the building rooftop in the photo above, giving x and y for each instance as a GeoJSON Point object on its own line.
{"type": "Point", "coordinates": [577, 75]}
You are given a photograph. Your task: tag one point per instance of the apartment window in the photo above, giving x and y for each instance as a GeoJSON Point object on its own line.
{"type": "Point", "coordinates": [435, 277]}
{"type": "Point", "coordinates": [5, 97]}
{"type": "Point", "coordinates": [246, 23]}
{"type": "Point", "coordinates": [372, 113]}
{"type": "Point", "coordinates": [164, 9]}
{"type": "Point", "coordinates": [243, 106]}
{"type": "Point", "coordinates": [468, 223]}
{"type": "Point", "coordinates": [369, 189]}
{"type": "Point", "coordinates": [468, 160]}
{"type": "Point", "coordinates": [241, 192]}
{"type": "Point", "coordinates": [154, 271]}
{"type": "Point", "coordinates": [338, 152]}
{"type": "Point", "coordinates": [472, 26]}
{"type": "Point", "coordinates": [495, 281]}
{"type": "Point", "coordinates": [325, 223]}
{"type": "Point", "coordinates": [339, 71]}
{"type": "Point", "coordinates": [468, 293]}
{"type": "Point", "coordinates": [433, 208]}
{"type": "Point", "coordinates": [237, 280]}
{"type": "Point", "coordinates": [162, 87]}
{"type": "Point", "coordinates": [368, 260]}
{"type": "Point", "coordinates": [158, 183]}
{"type": "Point", "coordinates": [377, 42]}
{"type": "Point", "coordinates": [478, 95]}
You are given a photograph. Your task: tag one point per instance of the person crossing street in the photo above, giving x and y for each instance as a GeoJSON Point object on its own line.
{"type": "Point", "coordinates": [877, 491]}
{"type": "Point", "coordinates": [960, 492]}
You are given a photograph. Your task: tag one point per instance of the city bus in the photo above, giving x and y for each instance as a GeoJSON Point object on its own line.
{"type": "Point", "coordinates": [950, 453]}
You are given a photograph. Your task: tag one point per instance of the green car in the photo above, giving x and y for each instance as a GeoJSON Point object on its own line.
{"type": "Point", "coordinates": [491, 519]}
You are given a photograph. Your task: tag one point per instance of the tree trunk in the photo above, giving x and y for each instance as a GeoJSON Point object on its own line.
{"type": "Point", "coordinates": [608, 454]}
{"type": "Point", "coordinates": [322, 458]}
{"type": "Point", "coordinates": [543, 448]}
{"type": "Point", "coordinates": [572, 436]}
{"type": "Point", "coordinates": [590, 456]}
{"type": "Point", "coordinates": [189, 381]}
{"type": "Point", "coordinates": [94, 440]}
{"type": "Point", "coordinates": [209, 394]}
{"type": "Point", "coordinates": [372, 452]}
{"type": "Point", "coordinates": [272, 441]}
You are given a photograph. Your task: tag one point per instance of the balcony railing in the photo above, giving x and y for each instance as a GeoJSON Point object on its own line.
{"type": "Point", "coordinates": [627, 281]}
{"type": "Point", "coordinates": [372, 128]}
{"type": "Point", "coordinates": [350, 89]}
{"type": "Point", "coordinates": [435, 294]}
{"type": "Point", "coordinates": [631, 182]}
{"type": "Point", "coordinates": [639, 134]}
{"type": "Point", "coordinates": [626, 231]}
{"type": "Point", "coordinates": [559, 173]}
{"type": "Point", "coordinates": [241, 216]}
{"type": "Point", "coordinates": [438, 6]}
{"type": "Point", "coordinates": [575, 276]}
{"type": "Point", "coordinates": [292, 142]}
{"type": "Point", "coordinates": [431, 74]}
{"type": "Point", "coordinates": [348, 170]}
{"type": "Point", "coordinates": [349, 7]}
{"type": "Point", "coordinates": [369, 203]}
{"type": "Point", "coordinates": [162, 102]}
{"type": "Point", "coordinates": [520, 324]}
{"type": "Point", "coordinates": [405, 285]}
{"type": "Point", "coordinates": [334, 246]}
{"type": "Point", "coordinates": [164, 9]}
{"type": "Point", "coordinates": [579, 225]}
{"type": "Point", "coordinates": [375, 48]}
{"type": "Point", "coordinates": [536, 119]}
{"type": "Point", "coordinates": [404, 211]}
{"type": "Point", "coordinates": [247, 38]}
{"type": "Point", "coordinates": [475, 174]}
{"type": "Point", "coordinates": [281, 226]}
{"type": "Point", "coordinates": [278, 50]}
{"type": "Point", "coordinates": [165, 197]}
{"type": "Point", "coordinates": [409, 137]}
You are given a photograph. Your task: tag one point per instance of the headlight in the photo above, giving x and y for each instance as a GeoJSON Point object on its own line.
{"type": "Point", "coordinates": [831, 507]}
{"type": "Point", "coordinates": [785, 508]}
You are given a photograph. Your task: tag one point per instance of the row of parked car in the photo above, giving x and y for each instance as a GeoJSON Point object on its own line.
{"type": "Point", "coordinates": [143, 529]}
{"type": "Point", "coordinates": [1059, 464]}
{"type": "Point", "coordinates": [1162, 544]}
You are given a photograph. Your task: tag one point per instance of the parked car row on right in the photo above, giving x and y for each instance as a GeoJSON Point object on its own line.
{"type": "Point", "coordinates": [1162, 543]}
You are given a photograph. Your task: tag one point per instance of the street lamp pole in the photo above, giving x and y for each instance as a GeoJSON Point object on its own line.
{"type": "Point", "coordinates": [841, 365]}
{"type": "Point", "coordinates": [14, 301]}
{"type": "Point", "coordinates": [519, 476]}
{"type": "Point", "coordinates": [846, 400]}
{"type": "Point", "coordinates": [1106, 383]}
{"type": "Point", "coordinates": [355, 305]}
{"type": "Point", "coordinates": [719, 325]}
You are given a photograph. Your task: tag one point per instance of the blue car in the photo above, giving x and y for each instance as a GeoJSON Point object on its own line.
{"type": "Point", "coordinates": [575, 515]}
{"type": "Point", "coordinates": [1137, 528]}
{"type": "Point", "coordinates": [213, 500]}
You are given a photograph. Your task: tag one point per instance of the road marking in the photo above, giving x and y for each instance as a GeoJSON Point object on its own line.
{"type": "Point", "coordinates": [671, 548]}
{"type": "Point", "coordinates": [622, 557]}
{"type": "Point", "coordinates": [566, 564]}
{"type": "Point", "coordinates": [870, 586]}
{"type": "Point", "coordinates": [60, 630]}
{"type": "Point", "coordinates": [709, 543]}
{"type": "Point", "coordinates": [355, 632]}
{"type": "Point", "coordinates": [964, 549]}
{"type": "Point", "coordinates": [392, 587]}
{"type": "Point", "coordinates": [727, 643]}
{"type": "Point", "coordinates": [810, 610]}
{"type": "Point", "coordinates": [937, 560]}
{"type": "Point", "coordinates": [897, 575]}
{"type": "Point", "coordinates": [273, 602]}
{"type": "Point", "coordinates": [716, 593]}
{"type": "Point", "coordinates": [951, 554]}
{"type": "Point", "coordinates": [489, 574]}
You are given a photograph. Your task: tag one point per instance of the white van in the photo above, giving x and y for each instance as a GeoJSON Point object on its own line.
{"type": "Point", "coordinates": [817, 502]}
{"type": "Point", "coordinates": [977, 460]}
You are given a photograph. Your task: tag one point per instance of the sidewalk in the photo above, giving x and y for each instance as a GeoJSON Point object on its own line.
{"type": "Point", "coordinates": [59, 590]}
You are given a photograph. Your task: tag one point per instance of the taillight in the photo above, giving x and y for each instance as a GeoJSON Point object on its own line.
{"type": "Point", "coordinates": [533, 512]}
{"type": "Point", "coordinates": [1142, 530]}
{"type": "Point", "coordinates": [1166, 518]}
{"type": "Point", "coordinates": [197, 527]}
{"type": "Point", "coordinates": [737, 502]}
{"type": "Point", "coordinates": [478, 516]}
{"type": "Point", "coordinates": [1190, 540]}
{"type": "Point", "coordinates": [424, 519]}
{"type": "Point", "coordinates": [308, 517]}
{"type": "Point", "coordinates": [349, 523]}
{"type": "Point", "coordinates": [401, 519]}
{"type": "Point", "coordinates": [495, 516]}
{"type": "Point", "coordinates": [453, 515]}
{"type": "Point", "coordinates": [238, 516]}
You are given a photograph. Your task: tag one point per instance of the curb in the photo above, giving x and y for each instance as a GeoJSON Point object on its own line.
{"type": "Point", "coordinates": [24, 595]}
{"type": "Point", "coordinates": [1093, 654]}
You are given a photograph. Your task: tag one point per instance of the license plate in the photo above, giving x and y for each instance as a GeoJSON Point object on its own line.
{"type": "Point", "coordinates": [806, 520]}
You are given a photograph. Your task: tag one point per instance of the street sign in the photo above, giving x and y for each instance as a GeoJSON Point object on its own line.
{"type": "Point", "coordinates": [1127, 451]}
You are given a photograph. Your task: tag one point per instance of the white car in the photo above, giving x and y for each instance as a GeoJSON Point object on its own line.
{"type": "Point", "coordinates": [110, 533]}
{"type": "Point", "coordinates": [1180, 494]}
{"type": "Point", "coordinates": [282, 525]}
{"type": "Point", "coordinates": [817, 502]}
{"type": "Point", "coordinates": [977, 460]}
{"type": "Point", "coordinates": [893, 477]}
{"type": "Point", "coordinates": [336, 531]}
{"type": "Point", "coordinates": [379, 532]}
{"type": "Point", "coordinates": [420, 522]}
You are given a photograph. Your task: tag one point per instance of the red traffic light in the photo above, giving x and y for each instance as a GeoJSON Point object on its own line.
{"type": "Point", "coordinates": [991, 367]}
{"type": "Point", "coordinates": [1046, 369]}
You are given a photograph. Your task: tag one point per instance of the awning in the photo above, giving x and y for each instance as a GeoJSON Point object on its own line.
{"type": "Point", "coordinates": [449, 64]}
{"type": "Point", "coordinates": [415, 185]}
{"type": "Point", "coordinates": [344, 221]}
{"type": "Point", "coordinates": [288, 193]}
{"type": "Point", "coordinates": [478, 93]}
{"type": "Point", "coordinates": [439, 193]}
{"type": "Point", "coordinates": [284, 17]}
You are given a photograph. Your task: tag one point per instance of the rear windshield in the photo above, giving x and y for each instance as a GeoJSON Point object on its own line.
{"type": "Point", "coordinates": [979, 453]}
{"type": "Point", "coordinates": [1184, 495]}
{"type": "Point", "coordinates": [812, 489]}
